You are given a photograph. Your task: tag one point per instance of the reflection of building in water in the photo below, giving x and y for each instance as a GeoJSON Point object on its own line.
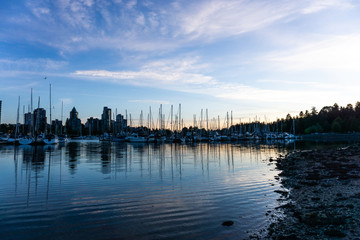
{"type": "Point", "coordinates": [74, 153]}
{"type": "Point", "coordinates": [106, 158]}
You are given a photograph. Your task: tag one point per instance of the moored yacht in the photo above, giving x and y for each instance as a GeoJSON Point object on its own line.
{"type": "Point", "coordinates": [51, 139]}
{"type": "Point", "coordinates": [26, 140]}
{"type": "Point", "coordinates": [135, 138]}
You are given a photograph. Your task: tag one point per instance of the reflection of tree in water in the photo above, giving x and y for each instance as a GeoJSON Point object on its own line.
{"type": "Point", "coordinates": [73, 150]}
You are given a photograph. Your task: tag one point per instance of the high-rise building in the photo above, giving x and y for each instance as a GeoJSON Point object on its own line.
{"type": "Point", "coordinates": [74, 123]}
{"type": "Point", "coordinates": [120, 123]}
{"type": "Point", "coordinates": [28, 122]}
{"type": "Point", "coordinates": [106, 120]}
{"type": "Point", "coordinates": [40, 120]}
{"type": "Point", "coordinates": [57, 125]}
{"type": "Point", "coordinates": [93, 125]}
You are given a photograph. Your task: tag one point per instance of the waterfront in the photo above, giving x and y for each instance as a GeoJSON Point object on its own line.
{"type": "Point", "coordinates": [105, 190]}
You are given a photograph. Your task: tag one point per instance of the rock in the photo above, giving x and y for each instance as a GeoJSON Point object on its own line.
{"type": "Point", "coordinates": [227, 223]}
{"type": "Point", "coordinates": [334, 233]}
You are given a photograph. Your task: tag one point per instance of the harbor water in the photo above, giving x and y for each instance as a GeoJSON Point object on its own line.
{"type": "Point", "coordinates": [104, 190]}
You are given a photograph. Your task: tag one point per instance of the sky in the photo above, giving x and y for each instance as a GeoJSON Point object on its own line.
{"type": "Point", "coordinates": [257, 58]}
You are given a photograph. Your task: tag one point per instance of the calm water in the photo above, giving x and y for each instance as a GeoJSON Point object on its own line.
{"type": "Point", "coordinates": [96, 190]}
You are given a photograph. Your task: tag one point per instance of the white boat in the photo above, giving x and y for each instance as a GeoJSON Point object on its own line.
{"type": "Point", "coordinates": [51, 139]}
{"type": "Point", "coordinates": [27, 140]}
{"type": "Point", "coordinates": [12, 140]}
{"type": "Point", "coordinates": [135, 138]}
{"type": "Point", "coordinates": [151, 138]}
{"type": "Point", "coordinates": [39, 140]}
{"type": "Point", "coordinates": [63, 139]}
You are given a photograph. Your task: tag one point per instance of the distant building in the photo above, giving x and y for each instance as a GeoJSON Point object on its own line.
{"type": "Point", "coordinates": [0, 110]}
{"type": "Point", "coordinates": [28, 122]}
{"type": "Point", "coordinates": [40, 120]}
{"type": "Point", "coordinates": [120, 123]}
{"type": "Point", "coordinates": [56, 126]}
{"type": "Point", "coordinates": [93, 124]}
{"type": "Point", "coordinates": [74, 123]}
{"type": "Point", "coordinates": [106, 120]}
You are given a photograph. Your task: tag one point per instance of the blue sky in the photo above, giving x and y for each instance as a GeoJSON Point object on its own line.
{"type": "Point", "coordinates": [255, 58]}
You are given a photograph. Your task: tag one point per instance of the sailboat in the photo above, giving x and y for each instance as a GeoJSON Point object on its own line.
{"type": "Point", "coordinates": [14, 139]}
{"type": "Point", "coordinates": [50, 139]}
{"type": "Point", "coordinates": [28, 139]}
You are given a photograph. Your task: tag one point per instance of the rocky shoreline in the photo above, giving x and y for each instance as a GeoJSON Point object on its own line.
{"type": "Point", "coordinates": [320, 198]}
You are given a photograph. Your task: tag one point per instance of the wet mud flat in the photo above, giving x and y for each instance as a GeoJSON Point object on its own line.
{"type": "Point", "coordinates": [320, 198]}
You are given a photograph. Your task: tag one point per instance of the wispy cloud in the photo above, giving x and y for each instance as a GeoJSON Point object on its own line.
{"type": "Point", "coordinates": [66, 100]}
{"type": "Point", "coordinates": [27, 64]}
{"type": "Point", "coordinates": [184, 77]}
{"type": "Point", "coordinates": [315, 6]}
{"type": "Point", "coordinates": [76, 25]}
{"type": "Point", "coordinates": [17, 87]}
{"type": "Point", "coordinates": [167, 74]}
{"type": "Point", "coordinates": [333, 54]}
{"type": "Point", "coordinates": [149, 101]}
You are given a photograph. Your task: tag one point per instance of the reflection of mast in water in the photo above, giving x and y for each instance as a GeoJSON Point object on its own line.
{"type": "Point", "coordinates": [60, 162]}
{"type": "Point", "coordinates": [232, 157]}
{"type": "Point", "coordinates": [48, 180]}
{"type": "Point", "coordinates": [219, 147]}
{"type": "Point", "coordinates": [181, 156]}
{"type": "Point", "coordinates": [161, 160]}
{"type": "Point", "coordinates": [227, 155]}
{"type": "Point", "coordinates": [149, 161]}
{"type": "Point", "coordinates": [207, 159]}
{"type": "Point", "coordinates": [172, 163]}
{"type": "Point", "coordinates": [202, 159]}
{"type": "Point", "coordinates": [16, 167]}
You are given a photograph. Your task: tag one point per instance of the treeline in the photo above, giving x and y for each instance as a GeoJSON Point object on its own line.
{"type": "Point", "coordinates": [329, 119]}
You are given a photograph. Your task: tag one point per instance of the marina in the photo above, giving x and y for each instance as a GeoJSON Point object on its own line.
{"type": "Point", "coordinates": [136, 191]}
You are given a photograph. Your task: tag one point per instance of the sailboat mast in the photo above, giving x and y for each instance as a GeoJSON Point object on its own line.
{"type": "Point", "coordinates": [207, 120]}
{"type": "Point", "coordinates": [17, 119]}
{"type": "Point", "coordinates": [180, 117]}
{"type": "Point", "coordinates": [50, 108]}
{"type": "Point", "coordinates": [150, 117]}
{"type": "Point", "coordinates": [62, 108]}
{"type": "Point", "coordinates": [32, 115]}
{"type": "Point", "coordinates": [171, 123]}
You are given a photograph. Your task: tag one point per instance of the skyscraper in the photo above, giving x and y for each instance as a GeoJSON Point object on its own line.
{"type": "Point", "coordinates": [0, 110]}
{"type": "Point", "coordinates": [106, 120]}
{"type": "Point", "coordinates": [40, 120]}
{"type": "Point", "coordinates": [74, 123]}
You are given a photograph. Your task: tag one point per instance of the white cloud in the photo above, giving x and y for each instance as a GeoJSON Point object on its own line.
{"type": "Point", "coordinates": [169, 25]}
{"type": "Point", "coordinates": [169, 74]}
{"type": "Point", "coordinates": [66, 100]}
{"type": "Point", "coordinates": [186, 76]}
{"type": "Point", "coordinates": [316, 6]}
{"type": "Point", "coordinates": [27, 64]}
{"type": "Point", "coordinates": [339, 53]}
{"type": "Point", "coordinates": [149, 101]}
{"type": "Point", "coordinates": [19, 87]}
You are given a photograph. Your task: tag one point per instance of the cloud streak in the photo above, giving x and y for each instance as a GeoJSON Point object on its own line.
{"type": "Point", "coordinates": [183, 77]}
{"type": "Point", "coordinates": [336, 53]}
{"type": "Point", "coordinates": [77, 25]}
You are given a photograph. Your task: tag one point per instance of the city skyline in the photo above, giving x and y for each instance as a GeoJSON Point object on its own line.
{"type": "Point", "coordinates": [254, 58]}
